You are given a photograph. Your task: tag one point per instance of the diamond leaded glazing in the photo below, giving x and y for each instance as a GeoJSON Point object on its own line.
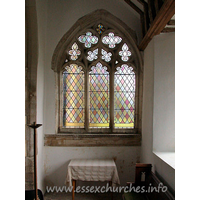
{"type": "Point", "coordinates": [73, 97]}
{"type": "Point", "coordinates": [124, 106]}
{"type": "Point", "coordinates": [99, 96]}
{"type": "Point", "coordinates": [111, 40]}
{"type": "Point", "coordinates": [98, 90]}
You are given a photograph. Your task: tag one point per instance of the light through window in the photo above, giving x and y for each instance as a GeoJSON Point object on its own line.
{"type": "Point", "coordinates": [99, 96]}
{"type": "Point", "coordinates": [98, 82]}
{"type": "Point", "coordinates": [73, 97]}
{"type": "Point", "coordinates": [124, 97]}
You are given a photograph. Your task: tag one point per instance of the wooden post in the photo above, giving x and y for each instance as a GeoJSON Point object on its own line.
{"type": "Point", "coordinates": [35, 163]}
{"type": "Point", "coordinates": [35, 126]}
{"type": "Point", "coordinates": [74, 187]}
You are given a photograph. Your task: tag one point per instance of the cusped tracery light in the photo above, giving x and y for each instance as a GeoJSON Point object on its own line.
{"type": "Point", "coordinates": [74, 52]}
{"type": "Point", "coordinates": [92, 55]}
{"type": "Point", "coordinates": [106, 55]}
{"type": "Point", "coordinates": [111, 40]}
{"type": "Point", "coordinates": [88, 39]}
{"type": "Point", "coordinates": [125, 53]}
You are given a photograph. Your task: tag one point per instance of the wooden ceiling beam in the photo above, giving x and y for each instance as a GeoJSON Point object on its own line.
{"type": "Point", "coordinates": [171, 22]}
{"type": "Point", "coordinates": [142, 20]}
{"type": "Point", "coordinates": [142, 2]}
{"type": "Point", "coordinates": [156, 6]}
{"type": "Point", "coordinates": [168, 30]}
{"type": "Point", "coordinates": [130, 3]}
{"type": "Point", "coordinates": [162, 18]}
{"type": "Point", "coordinates": [146, 15]}
{"type": "Point", "coordinates": [146, 18]}
{"type": "Point", "coordinates": [152, 11]}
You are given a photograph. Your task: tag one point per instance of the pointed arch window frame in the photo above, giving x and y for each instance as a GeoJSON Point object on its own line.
{"type": "Point", "coordinates": [59, 57]}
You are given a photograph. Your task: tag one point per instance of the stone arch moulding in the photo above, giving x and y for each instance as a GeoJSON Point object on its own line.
{"type": "Point", "coordinates": [96, 17]}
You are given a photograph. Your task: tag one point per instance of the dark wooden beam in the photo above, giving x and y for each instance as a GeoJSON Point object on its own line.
{"type": "Point", "coordinates": [152, 11]}
{"type": "Point", "coordinates": [171, 22]}
{"type": "Point", "coordinates": [162, 18]}
{"type": "Point", "coordinates": [156, 6]}
{"type": "Point", "coordinates": [168, 30]}
{"type": "Point", "coordinates": [146, 17]}
{"type": "Point", "coordinates": [142, 21]}
{"type": "Point", "coordinates": [141, 1]}
{"type": "Point", "coordinates": [160, 3]}
{"type": "Point", "coordinates": [130, 3]}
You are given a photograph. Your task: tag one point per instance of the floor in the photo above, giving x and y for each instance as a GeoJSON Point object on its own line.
{"type": "Point", "coordinates": [88, 196]}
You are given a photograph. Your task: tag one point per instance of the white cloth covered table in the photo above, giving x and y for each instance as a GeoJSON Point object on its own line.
{"type": "Point", "coordinates": [92, 170]}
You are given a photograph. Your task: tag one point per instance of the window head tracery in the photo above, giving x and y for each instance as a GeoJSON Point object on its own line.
{"type": "Point", "coordinates": [103, 48]}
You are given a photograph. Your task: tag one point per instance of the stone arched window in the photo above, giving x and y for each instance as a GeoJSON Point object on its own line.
{"type": "Point", "coordinates": [98, 71]}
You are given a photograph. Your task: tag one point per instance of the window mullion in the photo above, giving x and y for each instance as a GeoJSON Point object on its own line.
{"type": "Point", "coordinates": [87, 101]}
{"type": "Point", "coordinates": [112, 98]}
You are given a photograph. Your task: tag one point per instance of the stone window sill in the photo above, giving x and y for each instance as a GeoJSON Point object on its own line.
{"type": "Point", "coordinates": [70, 140]}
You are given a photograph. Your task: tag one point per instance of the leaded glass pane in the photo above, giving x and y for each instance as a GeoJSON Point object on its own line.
{"type": "Point", "coordinates": [74, 52]}
{"type": "Point", "coordinates": [125, 53]}
{"type": "Point", "coordinates": [106, 55]}
{"type": "Point", "coordinates": [92, 55]}
{"type": "Point", "coordinates": [88, 39]}
{"type": "Point", "coordinates": [100, 29]}
{"type": "Point", "coordinates": [99, 97]}
{"type": "Point", "coordinates": [73, 97]}
{"type": "Point", "coordinates": [111, 40]}
{"type": "Point", "coordinates": [124, 106]}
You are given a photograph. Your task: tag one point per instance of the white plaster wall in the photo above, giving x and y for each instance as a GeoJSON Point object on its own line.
{"type": "Point", "coordinates": [147, 155]}
{"type": "Point", "coordinates": [41, 22]}
{"type": "Point", "coordinates": [61, 15]}
{"type": "Point", "coordinates": [164, 93]}
{"type": "Point", "coordinates": [58, 158]}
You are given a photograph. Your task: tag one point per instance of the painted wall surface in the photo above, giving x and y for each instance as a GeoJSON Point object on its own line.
{"type": "Point", "coordinates": [55, 18]}
{"type": "Point", "coordinates": [164, 93]}
{"type": "Point", "coordinates": [150, 57]}
{"type": "Point", "coordinates": [41, 22]}
{"type": "Point", "coordinates": [58, 158]}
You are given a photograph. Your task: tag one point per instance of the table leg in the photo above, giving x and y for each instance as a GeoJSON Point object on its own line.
{"type": "Point", "coordinates": [74, 187]}
{"type": "Point", "coordinates": [110, 184]}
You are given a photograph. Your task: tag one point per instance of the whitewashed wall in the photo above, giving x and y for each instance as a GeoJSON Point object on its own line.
{"type": "Point", "coordinates": [41, 22]}
{"type": "Point", "coordinates": [164, 93]}
{"type": "Point", "coordinates": [158, 55]}
{"type": "Point", "coordinates": [57, 160]}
